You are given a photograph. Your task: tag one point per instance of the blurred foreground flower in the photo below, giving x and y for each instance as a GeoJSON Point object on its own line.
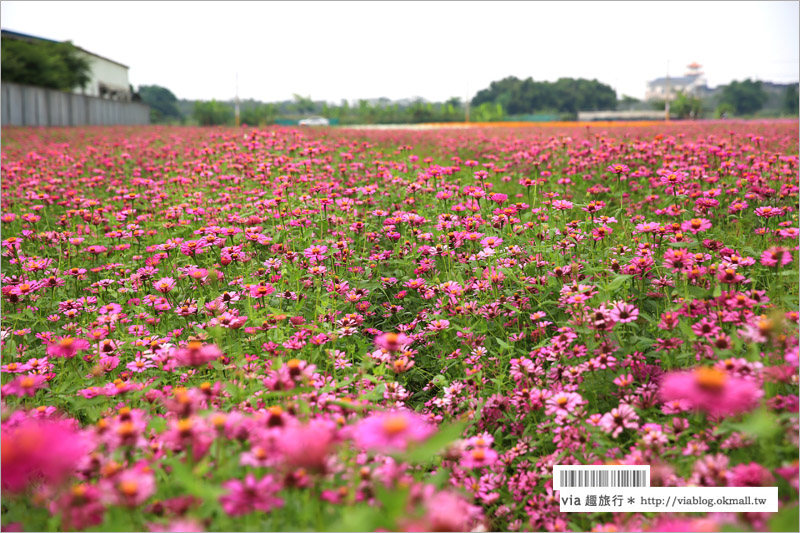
{"type": "Point", "coordinates": [390, 432]}
{"type": "Point", "coordinates": [711, 390]}
{"type": "Point", "coordinates": [36, 450]}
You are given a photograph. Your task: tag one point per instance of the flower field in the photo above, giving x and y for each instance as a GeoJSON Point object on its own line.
{"type": "Point", "coordinates": [283, 329]}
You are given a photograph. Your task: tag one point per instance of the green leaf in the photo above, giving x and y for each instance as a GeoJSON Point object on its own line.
{"type": "Point", "coordinates": [785, 520]}
{"type": "Point", "coordinates": [761, 424]}
{"type": "Point", "coordinates": [363, 518]}
{"type": "Point", "coordinates": [194, 484]}
{"type": "Point", "coordinates": [426, 451]}
{"type": "Point", "coordinates": [693, 244]}
{"type": "Point", "coordinates": [618, 281]}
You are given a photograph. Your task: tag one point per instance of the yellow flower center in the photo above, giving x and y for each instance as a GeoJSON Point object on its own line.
{"type": "Point", "coordinates": [710, 379]}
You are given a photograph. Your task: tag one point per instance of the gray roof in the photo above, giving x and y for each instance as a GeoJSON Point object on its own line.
{"type": "Point", "coordinates": [679, 80]}
{"type": "Point", "coordinates": [31, 38]}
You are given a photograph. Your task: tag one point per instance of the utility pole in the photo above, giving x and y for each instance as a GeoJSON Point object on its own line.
{"type": "Point", "coordinates": [466, 104]}
{"type": "Point", "coordinates": [236, 105]}
{"type": "Point", "coordinates": [666, 98]}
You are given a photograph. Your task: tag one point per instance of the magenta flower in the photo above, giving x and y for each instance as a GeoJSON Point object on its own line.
{"type": "Point", "coordinates": [619, 418]}
{"type": "Point", "coordinates": [768, 211]}
{"type": "Point", "coordinates": [196, 354]}
{"type": "Point", "coordinates": [262, 290]}
{"type": "Point", "coordinates": [499, 198]}
{"type": "Point", "coordinates": [245, 497]}
{"type": "Point", "coordinates": [491, 242]}
{"type": "Point", "coordinates": [391, 431]}
{"type": "Point", "coordinates": [561, 205]}
{"type": "Point", "coordinates": [39, 450]}
{"type": "Point", "coordinates": [776, 256]}
{"type": "Point", "coordinates": [67, 347]}
{"type": "Point", "coordinates": [623, 312]}
{"type": "Point", "coordinates": [438, 325]}
{"type": "Point", "coordinates": [696, 225]}
{"type": "Point", "coordinates": [750, 475]}
{"type": "Point", "coordinates": [562, 403]}
{"type": "Point", "coordinates": [134, 486]}
{"type": "Point", "coordinates": [710, 390]}
{"type": "Point", "coordinates": [392, 342]}
{"type": "Point", "coordinates": [618, 169]}
{"type": "Point", "coordinates": [80, 507]}
{"type": "Point", "coordinates": [478, 457]}
{"type": "Point", "coordinates": [25, 385]}
{"type": "Point", "coordinates": [315, 253]}
{"type": "Point", "coordinates": [308, 446]}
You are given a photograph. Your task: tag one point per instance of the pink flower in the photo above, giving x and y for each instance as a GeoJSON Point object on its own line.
{"type": "Point", "coordinates": [562, 403]}
{"type": "Point", "coordinates": [179, 525]}
{"type": "Point", "coordinates": [623, 312]}
{"type": "Point", "coordinates": [250, 495]}
{"type": "Point", "coordinates": [491, 242]}
{"type": "Point", "coordinates": [67, 347]}
{"type": "Point", "coordinates": [308, 446]}
{"type": "Point", "coordinates": [140, 365]}
{"type": "Point", "coordinates": [776, 256]}
{"type": "Point", "coordinates": [711, 390]}
{"type": "Point", "coordinates": [80, 507]}
{"type": "Point", "coordinates": [315, 253]}
{"type": "Point", "coordinates": [618, 169]}
{"type": "Point", "coordinates": [392, 342]}
{"type": "Point", "coordinates": [196, 354]}
{"type": "Point", "coordinates": [39, 450]}
{"type": "Point", "coordinates": [478, 457]}
{"type": "Point", "coordinates": [439, 325]}
{"type": "Point", "coordinates": [619, 418]}
{"type": "Point", "coordinates": [696, 225]}
{"type": "Point", "coordinates": [750, 475]}
{"type": "Point", "coordinates": [132, 487]}
{"type": "Point", "coordinates": [448, 511]}
{"type": "Point", "coordinates": [164, 285]}
{"type": "Point", "coordinates": [499, 198]}
{"type": "Point", "coordinates": [259, 291]}
{"type": "Point", "coordinates": [768, 211]}
{"type": "Point", "coordinates": [392, 431]}
{"type": "Point", "coordinates": [678, 260]}
{"type": "Point", "coordinates": [561, 205]}
{"type": "Point", "coordinates": [25, 385]}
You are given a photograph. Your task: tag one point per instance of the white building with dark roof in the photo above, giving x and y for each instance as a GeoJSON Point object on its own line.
{"type": "Point", "coordinates": [108, 78]}
{"type": "Point", "coordinates": [692, 82]}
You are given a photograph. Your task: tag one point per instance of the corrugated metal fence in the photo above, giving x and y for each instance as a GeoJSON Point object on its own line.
{"type": "Point", "coordinates": [24, 105]}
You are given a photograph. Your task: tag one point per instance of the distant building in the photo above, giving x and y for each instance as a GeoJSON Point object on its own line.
{"type": "Point", "coordinates": [692, 82]}
{"type": "Point", "coordinates": [108, 78]}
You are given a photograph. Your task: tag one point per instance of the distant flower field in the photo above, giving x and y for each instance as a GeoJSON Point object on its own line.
{"type": "Point", "coordinates": [322, 329]}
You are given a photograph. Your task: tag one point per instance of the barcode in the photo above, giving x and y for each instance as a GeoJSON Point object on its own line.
{"type": "Point", "coordinates": [603, 478]}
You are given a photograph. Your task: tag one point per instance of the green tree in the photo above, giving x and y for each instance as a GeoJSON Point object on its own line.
{"type": "Point", "coordinates": [489, 112]}
{"type": "Point", "coordinates": [566, 95]}
{"type": "Point", "coordinates": [163, 104]}
{"type": "Point", "coordinates": [685, 106]}
{"type": "Point", "coordinates": [47, 64]}
{"type": "Point", "coordinates": [303, 104]}
{"type": "Point", "coordinates": [790, 100]}
{"type": "Point", "coordinates": [745, 97]}
{"type": "Point", "coordinates": [213, 113]}
{"type": "Point", "coordinates": [259, 115]}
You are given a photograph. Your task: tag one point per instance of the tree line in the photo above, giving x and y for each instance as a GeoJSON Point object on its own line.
{"type": "Point", "coordinates": [61, 66]}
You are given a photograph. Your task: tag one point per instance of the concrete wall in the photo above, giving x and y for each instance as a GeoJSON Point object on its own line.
{"type": "Point", "coordinates": [621, 115]}
{"type": "Point", "coordinates": [23, 105]}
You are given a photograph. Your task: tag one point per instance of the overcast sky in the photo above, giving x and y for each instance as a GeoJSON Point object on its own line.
{"type": "Point", "coordinates": [335, 50]}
